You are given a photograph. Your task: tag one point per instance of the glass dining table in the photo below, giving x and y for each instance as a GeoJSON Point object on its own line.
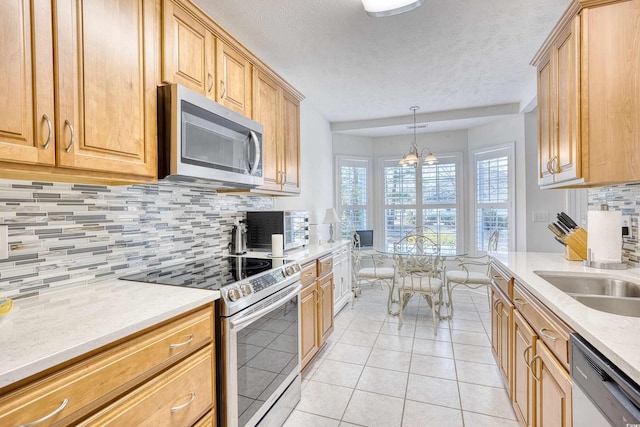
{"type": "Point", "coordinates": [393, 304]}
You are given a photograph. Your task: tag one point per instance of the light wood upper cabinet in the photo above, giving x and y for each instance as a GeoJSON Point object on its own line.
{"type": "Point", "coordinates": [189, 51]}
{"type": "Point", "coordinates": [103, 115]}
{"type": "Point", "coordinates": [589, 96]}
{"type": "Point", "coordinates": [559, 109]}
{"type": "Point", "coordinates": [234, 79]}
{"type": "Point", "coordinates": [106, 86]}
{"type": "Point", "coordinates": [279, 113]}
{"type": "Point", "coordinates": [27, 132]}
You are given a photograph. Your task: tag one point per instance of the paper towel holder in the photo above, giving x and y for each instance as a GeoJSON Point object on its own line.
{"type": "Point", "coordinates": [604, 265]}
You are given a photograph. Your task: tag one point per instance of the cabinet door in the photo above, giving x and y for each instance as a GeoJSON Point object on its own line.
{"type": "Point", "coordinates": [106, 86]}
{"type": "Point", "coordinates": [325, 286]}
{"type": "Point", "coordinates": [188, 51]}
{"type": "Point", "coordinates": [290, 144]}
{"type": "Point", "coordinates": [553, 395]}
{"type": "Point", "coordinates": [495, 324]}
{"type": "Point", "coordinates": [27, 133]}
{"type": "Point", "coordinates": [523, 385]}
{"type": "Point", "coordinates": [545, 123]}
{"type": "Point", "coordinates": [337, 277]}
{"type": "Point", "coordinates": [308, 324]}
{"type": "Point", "coordinates": [566, 65]}
{"type": "Point", "coordinates": [266, 110]}
{"type": "Point", "coordinates": [234, 79]}
{"type": "Point", "coordinates": [504, 361]}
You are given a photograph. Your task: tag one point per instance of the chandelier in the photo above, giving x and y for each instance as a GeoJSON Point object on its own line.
{"type": "Point", "coordinates": [412, 158]}
{"type": "Point", "coordinates": [381, 8]}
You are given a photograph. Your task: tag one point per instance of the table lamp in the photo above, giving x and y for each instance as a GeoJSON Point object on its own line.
{"type": "Point", "coordinates": [330, 217]}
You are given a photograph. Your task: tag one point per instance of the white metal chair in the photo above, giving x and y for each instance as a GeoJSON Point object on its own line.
{"type": "Point", "coordinates": [369, 268]}
{"type": "Point", "coordinates": [473, 272]}
{"type": "Point", "coordinates": [417, 259]}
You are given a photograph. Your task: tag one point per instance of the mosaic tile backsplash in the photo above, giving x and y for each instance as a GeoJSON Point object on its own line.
{"type": "Point", "coordinates": [64, 235]}
{"type": "Point", "coordinates": [625, 198]}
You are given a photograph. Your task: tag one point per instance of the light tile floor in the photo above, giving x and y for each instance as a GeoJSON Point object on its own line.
{"type": "Point", "coordinates": [372, 374]}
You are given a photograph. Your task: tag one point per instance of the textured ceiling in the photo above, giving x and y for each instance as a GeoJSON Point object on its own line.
{"type": "Point", "coordinates": [446, 55]}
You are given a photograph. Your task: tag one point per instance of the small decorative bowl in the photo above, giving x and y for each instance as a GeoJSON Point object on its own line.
{"type": "Point", "coordinates": [6, 304]}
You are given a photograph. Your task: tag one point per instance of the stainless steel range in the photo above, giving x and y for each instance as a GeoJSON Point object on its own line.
{"type": "Point", "coordinates": [258, 333]}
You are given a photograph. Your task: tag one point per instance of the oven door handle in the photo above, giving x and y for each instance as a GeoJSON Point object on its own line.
{"type": "Point", "coordinates": [249, 318]}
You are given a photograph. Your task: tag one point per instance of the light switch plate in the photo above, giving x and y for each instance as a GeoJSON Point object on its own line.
{"type": "Point", "coordinates": [540, 216]}
{"type": "Point", "coordinates": [626, 225]}
{"type": "Point", "coordinates": [4, 242]}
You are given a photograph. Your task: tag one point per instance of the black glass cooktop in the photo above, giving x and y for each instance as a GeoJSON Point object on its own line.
{"type": "Point", "coordinates": [211, 273]}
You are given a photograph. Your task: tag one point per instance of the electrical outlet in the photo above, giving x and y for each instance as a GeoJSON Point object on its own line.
{"type": "Point", "coordinates": [4, 242]}
{"type": "Point", "coordinates": [626, 225]}
{"type": "Point", "coordinates": [540, 216]}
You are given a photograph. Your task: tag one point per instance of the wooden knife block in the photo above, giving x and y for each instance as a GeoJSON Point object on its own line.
{"type": "Point", "coordinates": [576, 249]}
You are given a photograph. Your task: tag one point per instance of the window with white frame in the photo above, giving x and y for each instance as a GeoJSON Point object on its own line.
{"type": "Point", "coordinates": [494, 194]}
{"type": "Point", "coordinates": [426, 196]}
{"type": "Point", "coordinates": [354, 193]}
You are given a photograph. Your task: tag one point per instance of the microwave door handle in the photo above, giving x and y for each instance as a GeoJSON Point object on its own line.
{"type": "Point", "coordinates": [256, 157]}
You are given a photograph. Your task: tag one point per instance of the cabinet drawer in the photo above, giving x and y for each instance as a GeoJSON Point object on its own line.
{"type": "Point", "coordinates": [208, 420]}
{"type": "Point", "coordinates": [504, 283]}
{"type": "Point", "coordinates": [92, 382]}
{"type": "Point", "coordinates": [325, 265]}
{"type": "Point", "coordinates": [308, 274]}
{"type": "Point", "coordinates": [554, 334]}
{"type": "Point", "coordinates": [178, 397]}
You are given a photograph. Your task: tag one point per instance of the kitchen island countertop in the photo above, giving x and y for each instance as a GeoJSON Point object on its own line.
{"type": "Point", "coordinates": [52, 328]}
{"type": "Point", "coordinates": [615, 336]}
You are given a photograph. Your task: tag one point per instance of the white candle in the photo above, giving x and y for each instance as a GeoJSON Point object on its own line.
{"type": "Point", "coordinates": [277, 244]}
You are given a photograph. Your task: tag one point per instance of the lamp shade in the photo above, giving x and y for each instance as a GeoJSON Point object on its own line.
{"type": "Point", "coordinates": [380, 8]}
{"type": "Point", "coordinates": [331, 216]}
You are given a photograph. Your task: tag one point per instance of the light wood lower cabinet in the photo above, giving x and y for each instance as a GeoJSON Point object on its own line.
{"type": "Point", "coordinates": [115, 372]}
{"type": "Point", "coordinates": [316, 306]}
{"type": "Point", "coordinates": [535, 367]}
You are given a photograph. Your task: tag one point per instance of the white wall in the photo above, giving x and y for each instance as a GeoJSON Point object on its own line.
{"type": "Point", "coordinates": [539, 238]}
{"type": "Point", "coordinates": [316, 168]}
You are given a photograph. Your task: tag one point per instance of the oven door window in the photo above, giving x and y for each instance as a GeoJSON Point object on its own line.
{"type": "Point", "coordinates": [267, 355]}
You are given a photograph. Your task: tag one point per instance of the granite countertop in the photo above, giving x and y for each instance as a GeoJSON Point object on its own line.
{"type": "Point", "coordinates": [44, 331]}
{"type": "Point", "coordinates": [617, 337]}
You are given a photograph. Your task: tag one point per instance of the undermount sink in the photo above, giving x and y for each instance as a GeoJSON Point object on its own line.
{"type": "Point", "coordinates": [615, 305]}
{"type": "Point", "coordinates": [591, 285]}
{"type": "Point", "coordinates": [611, 295]}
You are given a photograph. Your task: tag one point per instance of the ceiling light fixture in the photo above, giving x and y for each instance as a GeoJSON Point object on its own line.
{"type": "Point", "coordinates": [381, 8]}
{"type": "Point", "coordinates": [412, 158]}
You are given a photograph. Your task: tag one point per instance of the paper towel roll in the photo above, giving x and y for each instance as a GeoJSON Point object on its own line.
{"type": "Point", "coordinates": [277, 244]}
{"type": "Point", "coordinates": [605, 236]}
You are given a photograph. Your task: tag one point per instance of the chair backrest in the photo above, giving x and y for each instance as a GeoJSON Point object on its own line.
{"type": "Point", "coordinates": [416, 254]}
{"type": "Point", "coordinates": [493, 241]}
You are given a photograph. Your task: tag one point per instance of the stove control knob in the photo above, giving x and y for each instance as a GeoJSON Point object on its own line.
{"type": "Point", "coordinates": [234, 294]}
{"type": "Point", "coordinates": [246, 289]}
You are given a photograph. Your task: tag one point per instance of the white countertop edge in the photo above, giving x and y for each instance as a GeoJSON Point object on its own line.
{"type": "Point", "coordinates": [616, 337]}
{"type": "Point", "coordinates": [51, 343]}
{"type": "Point", "coordinates": [304, 254]}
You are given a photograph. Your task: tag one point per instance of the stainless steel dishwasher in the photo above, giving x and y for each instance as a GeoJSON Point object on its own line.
{"type": "Point", "coordinates": [602, 394]}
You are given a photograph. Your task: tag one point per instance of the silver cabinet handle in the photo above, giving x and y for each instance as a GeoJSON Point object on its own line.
{"type": "Point", "coordinates": [549, 167]}
{"type": "Point", "coordinates": [184, 405]}
{"type": "Point", "coordinates": [524, 354]}
{"type": "Point", "coordinates": [46, 417]}
{"type": "Point", "coordinates": [531, 368]}
{"type": "Point", "coordinates": [519, 302]}
{"type": "Point", "coordinates": [551, 337]}
{"type": "Point", "coordinates": [48, 143]}
{"type": "Point", "coordinates": [68, 123]}
{"type": "Point", "coordinates": [210, 82]}
{"type": "Point", "coordinates": [257, 155]}
{"type": "Point", "coordinates": [182, 343]}
{"type": "Point", "coordinates": [224, 89]}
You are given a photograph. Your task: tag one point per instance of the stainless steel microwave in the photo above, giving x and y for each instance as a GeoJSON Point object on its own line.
{"type": "Point", "coordinates": [293, 225]}
{"type": "Point", "coordinates": [201, 140]}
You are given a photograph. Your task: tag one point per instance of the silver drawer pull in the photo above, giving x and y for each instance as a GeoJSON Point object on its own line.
{"type": "Point", "coordinates": [48, 143]}
{"type": "Point", "coordinates": [531, 364]}
{"type": "Point", "coordinates": [68, 123]}
{"type": "Point", "coordinates": [551, 337]}
{"type": "Point", "coordinates": [524, 354]}
{"type": "Point", "coordinates": [46, 417]}
{"type": "Point", "coordinates": [182, 343]}
{"type": "Point", "coordinates": [519, 302]}
{"type": "Point", "coordinates": [184, 405]}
